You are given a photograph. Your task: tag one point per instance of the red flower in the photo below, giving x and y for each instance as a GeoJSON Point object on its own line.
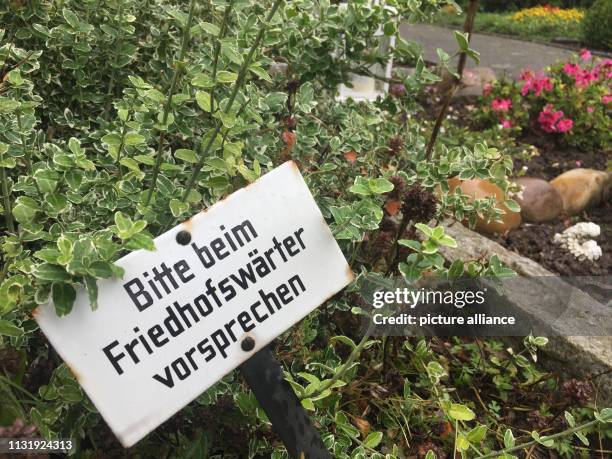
{"type": "Point", "coordinates": [535, 83]}
{"type": "Point", "coordinates": [506, 124]}
{"type": "Point", "coordinates": [501, 105]}
{"type": "Point", "coordinates": [584, 78]}
{"type": "Point", "coordinates": [564, 125]}
{"type": "Point", "coordinates": [571, 69]}
{"type": "Point", "coordinates": [553, 121]}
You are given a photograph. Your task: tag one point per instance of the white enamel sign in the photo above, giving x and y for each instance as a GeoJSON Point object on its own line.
{"type": "Point", "coordinates": [257, 263]}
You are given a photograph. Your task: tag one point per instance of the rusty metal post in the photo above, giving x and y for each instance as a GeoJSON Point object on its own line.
{"type": "Point", "coordinates": [265, 376]}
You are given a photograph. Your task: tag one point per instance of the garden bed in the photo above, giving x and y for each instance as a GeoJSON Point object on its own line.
{"type": "Point", "coordinates": [535, 240]}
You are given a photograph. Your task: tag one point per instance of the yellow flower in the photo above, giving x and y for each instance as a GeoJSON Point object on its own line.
{"type": "Point", "coordinates": [549, 13]}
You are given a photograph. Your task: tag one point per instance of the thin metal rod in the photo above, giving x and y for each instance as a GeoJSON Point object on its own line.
{"type": "Point", "coordinates": [289, 420]}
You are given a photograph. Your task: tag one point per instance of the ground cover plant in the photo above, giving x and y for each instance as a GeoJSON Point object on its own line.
{"type": "Point", "coordinates": [544, 23]}
{"type": "Point", "coordinates": [119, 120]}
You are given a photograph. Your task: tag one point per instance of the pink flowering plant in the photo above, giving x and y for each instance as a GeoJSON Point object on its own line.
{"type": "Point", "coordinates": [571, 101]}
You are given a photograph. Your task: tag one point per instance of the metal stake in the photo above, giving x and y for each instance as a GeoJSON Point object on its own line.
{"type": "Point", "coordinates": [265, 376]}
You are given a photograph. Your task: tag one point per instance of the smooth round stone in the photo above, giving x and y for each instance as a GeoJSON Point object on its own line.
{"type": "Point", "coordinates": [539, 200]}
{"type": "Point", "coordinates": [581, 189]}
{"type": "Point", "coordinates": [481, 189]}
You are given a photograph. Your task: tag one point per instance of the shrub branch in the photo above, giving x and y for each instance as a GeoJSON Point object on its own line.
{"type": "Point", "coordinates": [168, 105]}
{"type": "Point", "coordinates": [241, 76]}
{"type": "Point", "coordinates": [467, 28]}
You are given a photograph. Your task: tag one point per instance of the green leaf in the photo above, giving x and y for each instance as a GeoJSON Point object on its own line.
{"type": "Point", "coordinates": [133, 138]}
{"type": "Point", "coordinates": [582, 438]}
{"type": "Point", "coordinates": [8, 105]}
{"type": "Point", "coordinates": [63, 298]}
{"type": "Point", "coordinates": [92, 291]}
{"type": "Point", "coordinates": [210, 28]}
{"type": "Point", "coordinates": [202, 80]}
{"type": "Point", "coordinates": [124, 223]}
{"type": "Point", "coordinates": [373, 439]}
{"type": "Point", "coordinates": [380, 185]}
{"type": "Point", "coordinates": [204, 101]}
{"type": "Point", "coordinates": [140, 241]}
{"type": "Point", "coordinates": [477, 434]}
{"type": "Point", "coordinates": [509, 439]}
{"type": "Point", "coordinates": [463, 444]}
{"type": "Point", "coordinates": [71, 18]}
{"type": "Point", "coordinates": [460, 412]}
{"type": "Point", "coordinates": [605, 415]}
{"type": "Point", "coordinates": [224, 76]}
{"type": "Point", "coordinates": [447, 241]}
{"type": "Point", "coordinates": [360, 186]}
{"type": "Point", "coordinates": [49, 272]}
{"type": "Point", "coordinates": [25, 209]}
{"type": "Point", "coordinates": [462, 40]}
{"type": "Point", "coordinates": [8, 329]}
{"type": "Point", "coordinates": [426, 230]}
{"type": "Point", "coordinates": [186, 155]}
{"type": "Point", "coordinates": [512, 205]}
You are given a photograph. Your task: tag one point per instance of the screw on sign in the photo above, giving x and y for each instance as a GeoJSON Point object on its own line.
{"type": "Point", "coordinates": [211, 297]}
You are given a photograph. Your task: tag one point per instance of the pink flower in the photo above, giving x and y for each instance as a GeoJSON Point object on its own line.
{"type": "Point", "coordinates": [585, 54]}
{"type": "Point", "coordinates": [571, 69]}
{"type": "Point", "coordinates": [565, 125]}
{"type": "Point", "coordinates": [535, 83]}
{"type": "Point", "coordinates": [486, 89]}
{"type": "Point", "coordinates": [506, 124]}
{"type": "Point", "coordinates": [578, 163]}
{"type": "Point", "coordinates": [590, 109]}
{"type": "Point", "coordinates": [606, 99]}
{"type": "Point", "coordinates": [501, 105]}
{"type": "Point", "coordinates": [584, 78]}
{"type": "Point", "coordinates": [548, 118]}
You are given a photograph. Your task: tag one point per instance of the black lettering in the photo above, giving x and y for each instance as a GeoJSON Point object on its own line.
{"type": "Point", "coordinates": [297, 236]}
{"type": "Point", "coordinates": [168, 380]}
{"type": "Point", "coordinates": [258, 318]}
{"type": "Point", "coordinates": [241, 230]}
{"type": "Point", "coordinates": [219, 248]}
{"type": "Point", "coordinates": [227, 289]}
{"type": "Point", "coordinates": [245, 321]}
{"type": "Point", "coordinates": [172, 323]}
{"type": "Point", "coordinates": [181, 269]}
{"type": "Point", "coordinates": [185, 369]}
{"type": "Point", "coordinates": [204, 255]}
{"type": "Point", "coordinates": [154, 333]}
{"type": "Point", "coordinates": [135, 295]}
{"type": "Point", "coordinates": [289, 243]}
{"type": "Point", "coordinates": [221, 345]}
{"type": "Point", "coordinates": [296, 280]}
{"type": "Point", "coordinates": [266, 297]}
{"type": "Point", "coordinates": [114, 358]}
{"type": "Point", "coordinates": [283, 293]}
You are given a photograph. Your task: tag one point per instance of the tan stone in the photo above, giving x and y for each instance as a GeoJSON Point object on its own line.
{"type": "Point", "coordinates": [481, 189]}
{"type": "Point", "coordinates": [539, 200]}
{"type": "Point", "coordinates": [581, 189]}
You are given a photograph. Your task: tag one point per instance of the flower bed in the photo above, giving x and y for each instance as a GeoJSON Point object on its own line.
{"type": "Point", "coordinates": [569, 100]}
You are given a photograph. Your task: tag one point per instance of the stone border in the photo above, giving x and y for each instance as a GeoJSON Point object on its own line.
{"type": "Point", "coordinates": [577, 356]}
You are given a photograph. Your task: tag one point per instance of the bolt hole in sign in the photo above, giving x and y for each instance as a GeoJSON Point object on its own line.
{"type": "Point", "coordinates": [247, 268]}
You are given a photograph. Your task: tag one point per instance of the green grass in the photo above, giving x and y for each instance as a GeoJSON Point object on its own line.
{"type": "Point", "coordinates": [502, 23]}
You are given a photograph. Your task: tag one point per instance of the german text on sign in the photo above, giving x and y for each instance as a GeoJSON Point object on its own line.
{"type": "Point", "coordinates": [255, 264]}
